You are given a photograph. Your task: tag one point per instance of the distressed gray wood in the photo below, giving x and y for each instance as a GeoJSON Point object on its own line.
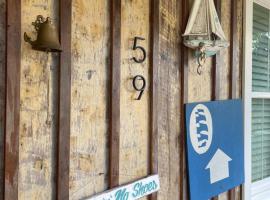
{"type": "Point", "coordinates": [169, 99]}
{"type": "Point", "coordinates": [2, 88]}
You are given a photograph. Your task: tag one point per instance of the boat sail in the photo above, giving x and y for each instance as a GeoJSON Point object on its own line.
{"type": "Point", "coordinates": [204, 32]}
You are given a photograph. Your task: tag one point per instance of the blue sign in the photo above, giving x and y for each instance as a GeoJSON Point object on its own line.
{"type": "Point", "coordinates": [215, 147]}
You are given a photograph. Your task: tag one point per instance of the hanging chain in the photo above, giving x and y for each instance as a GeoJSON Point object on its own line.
{"type": "Point", "coordinates": [201, 58]}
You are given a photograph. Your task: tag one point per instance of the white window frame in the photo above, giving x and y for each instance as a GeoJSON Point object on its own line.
{"type": "Point", "coordinates": [259, 190]}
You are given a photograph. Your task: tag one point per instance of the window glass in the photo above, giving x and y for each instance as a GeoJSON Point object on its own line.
{"type": "Point", "coordinates": [261, 85]}
{"type": "Point", "coordinates": [260, 61]}
{"type": "Point", "coordinates": [260, 139]}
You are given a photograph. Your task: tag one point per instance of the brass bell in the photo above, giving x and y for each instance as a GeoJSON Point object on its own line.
{"type": "Point", "coordinates": [47, 36]}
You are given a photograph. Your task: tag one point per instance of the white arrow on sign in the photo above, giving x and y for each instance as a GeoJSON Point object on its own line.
{"type": "Point", "coordinates": [219, 166]}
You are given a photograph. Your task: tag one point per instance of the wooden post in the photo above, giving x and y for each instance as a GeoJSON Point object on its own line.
{"type": "Point", "coordinates": [154, 62]}
{"type": "Point", "coordinates": [115, 70]}
{"type": "Point", "coordinates": [216, 64]}
{"type": "Point", "coordinates": [13, 67]}
{"type": "Point", "coordinates": [234, 46]}
{"type": "Point", "coordinates": [63, 142]}
{"type": "Point", "coordinates": [234, 57]}
{"type": "Point", "coordinates": [184, 99]}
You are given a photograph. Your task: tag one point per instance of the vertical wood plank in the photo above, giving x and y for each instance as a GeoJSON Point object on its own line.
{"type": "Point", "coordinates": [135, 114]}
{"type": "Point", "coordinates": [216, 76]}
{"type": "Point", "coordinates": [234, 46]}
{"type": "Point", "coordinates": [115, 67]}
{"type": "Point", "coordinates": [234, 57]}
{"type": "Point", "coordinates": [13, 64]}
{"type": "Point", "coordinates": [169, 93]}
{"type": "Point", "coordinates": [240, 37]}
{"type": "Point", "coordinates": [241, 64]}
{"type": "Point", "coordinates": [184, 99]}
{"type": "Point", "coordinates": [216, 63]}
{"type": "Point", "coordinates": [39, 86]}
{"type": "Point", "coordinates": [154, 62]}
{"type": "Point", "coordinates": [216, 69]}
{"type": "Point", "coordinates": [64, 101]}
{"type": "Point", "coordinates": [89, 139]}
{"type": "Point", "coordinates": [2, 89]}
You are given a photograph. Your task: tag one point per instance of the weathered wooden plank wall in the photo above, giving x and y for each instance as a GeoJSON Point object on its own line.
{"type": "Point", "coordinates": [184, 88]}
{"type": "Point", "coordinates": [115, 76]}
{"type": "Point", "coordinates": [111, 134]}
{"type": "Point", "coordinates": [12, 99]}
{"type": "Point", "coordinates": [221, 78]}
{"type": "Point", "coordinates": [64, 103]}
{"type": "Point", "coordinates": [39, 106]}
{"type": "Point", "coordinates": [2, 88]}
{"type": "Point", "coordinates": [90, 97]}
{"type": "Point", "coordinates": [154, 109]}
{"type": "Point", "coordinates": [135, 114]}
{"type": "Point", "coordinates": [169, 99]}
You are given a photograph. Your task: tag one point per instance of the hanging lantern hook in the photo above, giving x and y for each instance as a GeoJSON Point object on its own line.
{"type": "Point", "coordinates": [201, 57]}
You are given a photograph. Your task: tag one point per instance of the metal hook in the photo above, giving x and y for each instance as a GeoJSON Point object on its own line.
{"type": "Point", "coordinates": [201, 61]}
{"type": "Point", "coordinates": [199, 70]}
{"type": "Point", "coordinates": [201, 57]}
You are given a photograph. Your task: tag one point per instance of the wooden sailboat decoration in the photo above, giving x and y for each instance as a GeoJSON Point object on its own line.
{"type": "Point", "coordinates": [204, 33]}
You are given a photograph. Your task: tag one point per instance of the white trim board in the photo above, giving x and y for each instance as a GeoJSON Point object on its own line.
{"type": "Point", "coordinates": [260, 95]}
{"type": "Point", "coordinates": [260, 189]}
{"type": "Point", "coordinates": [247, 78]}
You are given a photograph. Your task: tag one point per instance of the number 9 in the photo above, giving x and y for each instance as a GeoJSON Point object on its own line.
{"type": "Point", "coordinates": [141, 89]}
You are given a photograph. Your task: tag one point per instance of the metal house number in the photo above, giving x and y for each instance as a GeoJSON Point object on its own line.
{"type": "Point", "coordinates": [135, 47]}
{"type": "Point", "coordinates": [139, 89]}
{"type": "Point", "coordinates": [138, 78]}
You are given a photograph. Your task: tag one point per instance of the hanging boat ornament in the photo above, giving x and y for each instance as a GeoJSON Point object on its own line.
{"type": "Point", "coordinates": [204, 33]}
{"type": "Point", "coordinates": [47, 36]}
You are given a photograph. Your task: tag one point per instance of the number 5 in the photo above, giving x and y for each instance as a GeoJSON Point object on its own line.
{"type": "Point", "coordinates": [135, 47]}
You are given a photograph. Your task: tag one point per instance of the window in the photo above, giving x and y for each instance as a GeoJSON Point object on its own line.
{"type": "Point", "coordinates": [260, 139]}
{"type": "Point", "coordinates": [257, 99]}
{"type": "Point", "coordinates": [261, 87]}
{"type": "Point", "coordinates": [260, 46]}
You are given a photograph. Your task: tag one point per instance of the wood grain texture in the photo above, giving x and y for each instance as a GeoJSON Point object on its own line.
{"type": "Point", "coordinates": [13, 66]}
{"type": "Point", "coordinates": [2, 89]}
{"type": "Point", "coordinates": [224, 81]}
{"type": "Point", "coordinates": [233, 66]}
{"type": "Point", "coordinates": [240, 37]}
{"type": "Point", "coordinates": [115, 72]}
{"type": "Point", "coordinates": [234, 52]}
{"type": "Point", "coordinates": [135, 114]}
{"type": "Point", "coordinates": [184, 78]}
{"type": "Point", "coordinates": [169, 93]}
{"type": "Point", "coordinates": [63, 139]}
{"type": "Point", "coordinates": [110, 132]}
{"type": "Point", "coordinates": [90, 98]}
{"type": "Point", "coordinates": [236, 65]}
{"type": "Point", "coordinates": [154, 63]}
{"type": "Point", "coordinates": [216, 64]}
{"type": "Point", "coordinates": [168, 99]}
{"type": "Point", "coordinates": [39, 108]}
